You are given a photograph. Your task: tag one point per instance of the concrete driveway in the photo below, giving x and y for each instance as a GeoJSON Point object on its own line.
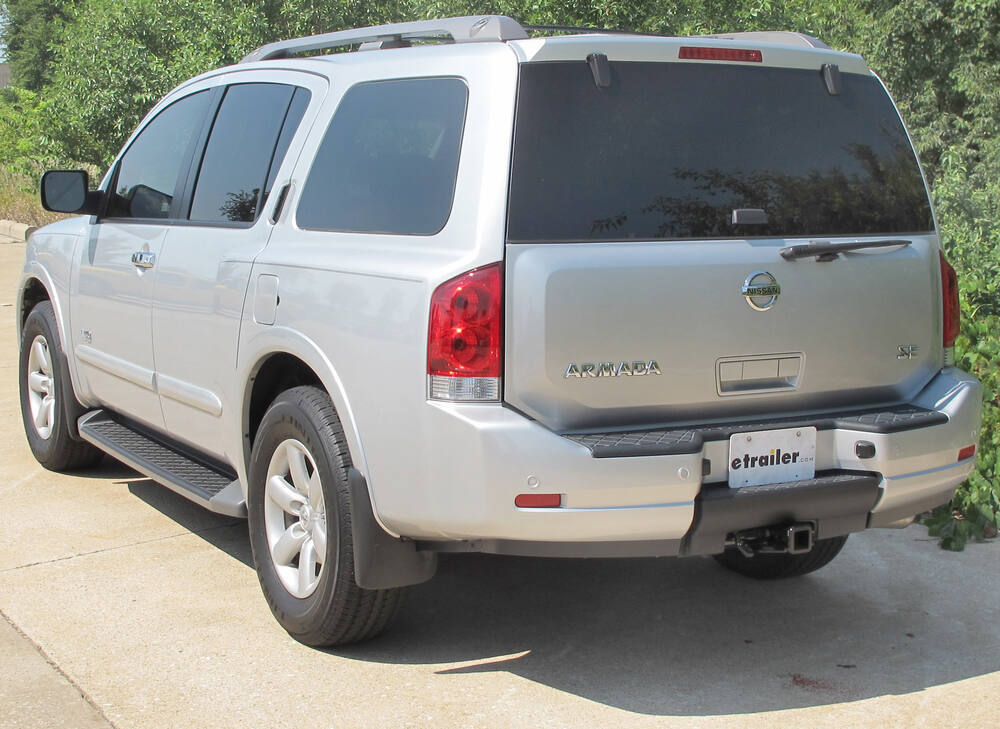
{"type": "Point", "coordinates": [125, 605]}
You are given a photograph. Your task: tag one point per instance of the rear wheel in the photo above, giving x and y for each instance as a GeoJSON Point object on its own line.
{"type": "Point", "coordinates": [42, 391]}
{"type": "Point", "coordinates": [300, 525]}
{"type": "Point", "coordinates": [779, 566]}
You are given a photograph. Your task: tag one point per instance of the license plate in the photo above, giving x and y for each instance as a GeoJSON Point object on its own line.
{"type": "Point", "coordinates": [772, 456]}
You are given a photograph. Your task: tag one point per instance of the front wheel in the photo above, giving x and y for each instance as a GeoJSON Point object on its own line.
{"type": "Point", "coordinates": [300, 525]}
{"type": "Point", "coordinates": [779, 566]}
{"type": "Point", "coordinates": [41, 379]}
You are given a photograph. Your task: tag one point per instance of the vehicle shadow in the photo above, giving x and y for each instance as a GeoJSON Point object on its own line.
{"type": "Point", "coordinates": [223, 532]}
{"type": "Point", "coordinates": [685, 637]}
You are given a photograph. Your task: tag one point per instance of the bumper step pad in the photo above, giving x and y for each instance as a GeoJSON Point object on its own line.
{"type": "Point", "coordinates": [686, 440]}
{"type": "Point", "coordinates": [206, 485]}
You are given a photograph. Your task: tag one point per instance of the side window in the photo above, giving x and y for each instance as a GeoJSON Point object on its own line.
{"type": "Point", "coordinates": [147, 175]}
{"type": "Point", "coordinates": [389, 160]}
{"type": "Point", "coordinates": [242, 149]}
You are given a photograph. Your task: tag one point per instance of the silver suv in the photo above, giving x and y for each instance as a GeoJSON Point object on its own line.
{"type": "Point", "coordinates": [586, 295]}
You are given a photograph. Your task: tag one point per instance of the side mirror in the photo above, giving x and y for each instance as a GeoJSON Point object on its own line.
{"type": "Point", "coordinates": [66, 191]}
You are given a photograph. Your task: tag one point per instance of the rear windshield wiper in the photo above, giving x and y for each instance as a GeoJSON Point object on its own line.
{"type": "Point", "coordinates": [829, 251]}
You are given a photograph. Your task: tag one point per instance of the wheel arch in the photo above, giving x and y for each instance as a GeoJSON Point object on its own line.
{"type": "Point", "coordinates": [36, 286]}
{"type": "Point", "coordinates": [270, 368]}
{"type": "Point", "coordinates": [31, 293]}
{"type": "Point", "coordinates": [382, 559]}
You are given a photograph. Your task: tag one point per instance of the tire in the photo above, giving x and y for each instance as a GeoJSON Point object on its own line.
{"type": "Point", "coordinates": [41, 379]}
{"type": "Point", "coordinates": [317, 601]}
{"type": "Point", "coordinates": [780, 566]}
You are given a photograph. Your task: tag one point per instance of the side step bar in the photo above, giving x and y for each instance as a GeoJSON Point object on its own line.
{"type": "Point", "coordinates": [207, 486]}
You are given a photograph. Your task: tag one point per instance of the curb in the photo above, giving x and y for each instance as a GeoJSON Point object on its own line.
{"type": "Point", "coordinates": [18, 231]}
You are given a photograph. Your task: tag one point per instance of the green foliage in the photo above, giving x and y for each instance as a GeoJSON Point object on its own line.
{"type": "Point", "coordinates": [28, 30]}
{"type": "Point", "coordinates": [968, 206]}
{"type": "Point", "coordinates": [942, 60]}
{"type": "Point", "coordinates": [118, 58]}
{"type": "Point", "coordinates": [294, 18]}
{"type": "Point", "coordinates": [25, 141]}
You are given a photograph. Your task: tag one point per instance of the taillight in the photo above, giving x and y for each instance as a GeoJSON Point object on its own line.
{"type": "Point", "coordinates": [698, 53]}
{"type": "Point", "coordinates": [464, 345]}
{"type": "Point", "coordinates": [949, 310]}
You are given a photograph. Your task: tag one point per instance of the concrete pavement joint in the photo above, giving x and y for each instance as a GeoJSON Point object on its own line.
{"type": "Point", "coordinates": [185, 533]}
{"type": "Point", "coordinates": [24, 479]}
{"type": "Point", "coordinates": [56, 667]}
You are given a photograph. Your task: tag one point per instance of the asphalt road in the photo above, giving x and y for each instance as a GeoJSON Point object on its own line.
{"type": "Point", "coordinates": [125, 605]}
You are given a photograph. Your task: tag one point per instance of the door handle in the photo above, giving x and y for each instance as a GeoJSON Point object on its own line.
{"type": "Point", "coordinates": [143, 259]}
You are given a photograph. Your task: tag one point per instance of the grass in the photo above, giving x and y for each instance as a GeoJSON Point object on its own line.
{"type": "Point", "coordinates": [20, 202]}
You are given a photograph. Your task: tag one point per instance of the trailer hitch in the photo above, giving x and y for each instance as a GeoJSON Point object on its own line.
{"type": "Point", "coordinates": [794, 539]}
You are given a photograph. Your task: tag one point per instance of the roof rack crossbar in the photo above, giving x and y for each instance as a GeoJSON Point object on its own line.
{"type": "Point", "coordinates": [468, 29]}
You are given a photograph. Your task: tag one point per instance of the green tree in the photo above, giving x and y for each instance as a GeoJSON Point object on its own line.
{"type": "Point", "coordinates": [28, 31]}
{"type": "Point", "coordinates": [118, 57]}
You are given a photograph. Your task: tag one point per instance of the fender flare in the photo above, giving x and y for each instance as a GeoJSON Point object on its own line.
{"type": "Point", "coordinates": [72, 407]}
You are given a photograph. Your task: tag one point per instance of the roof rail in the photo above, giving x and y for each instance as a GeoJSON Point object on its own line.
{"type": "Point", "coordinates": [779, 37]}
{"type": "Point", "coordinates": [469, 29]}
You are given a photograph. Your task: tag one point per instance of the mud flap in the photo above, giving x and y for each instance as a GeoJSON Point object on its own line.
{"type": "Point", "coordinates": [382, 561]}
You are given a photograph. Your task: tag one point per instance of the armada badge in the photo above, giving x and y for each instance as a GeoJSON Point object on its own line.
{"type": "Point", "coordinates": [613, 369]}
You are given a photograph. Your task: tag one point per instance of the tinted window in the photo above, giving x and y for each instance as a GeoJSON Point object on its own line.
{"type": "Point", "coordinates": [239, 151]}
{"type": "Point", "coordinates": [148, 172]}
{"type": "Point", "coordinates": [671, 149]}
{"type": "Point", "coordinates": [389, 159]}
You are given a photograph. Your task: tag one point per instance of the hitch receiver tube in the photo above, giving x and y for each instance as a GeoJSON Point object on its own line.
{"type": "Point", "coordinates": [793, 539]}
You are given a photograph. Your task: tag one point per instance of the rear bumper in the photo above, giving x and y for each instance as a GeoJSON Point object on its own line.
{"type": "Point", "coordinates": [666, 504]}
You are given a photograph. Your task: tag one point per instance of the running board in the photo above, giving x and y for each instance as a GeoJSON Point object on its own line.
{"type": "Point", "coordinates": [192, 479]}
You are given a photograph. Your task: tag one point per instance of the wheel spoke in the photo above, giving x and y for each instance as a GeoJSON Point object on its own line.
{"type": "Point", "coordinates": [319, 541]}
{"type": "Point", "coordinates": [44, 361]}
{"type": "Point", "coordinates": [282, 493]}
{"type": "Point", "coordinates": [49, 408]}
{"type": "Point", "coordinates": [288, 545]}
{"type": "Point", "coordinates": [39, 383]}
{"type": "Point", "coordinates": [307, 565]}
{"type": "Point", "coordinates": [315, 490]}
{"type": "Point", "coordinates": [40, 355]}
{"type": "Point", "coordinates": [297, 469]}
{"type": "Point", "coordinates": [41, 413]}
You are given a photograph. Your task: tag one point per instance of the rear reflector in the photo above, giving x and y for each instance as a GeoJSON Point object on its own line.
{"type": "Point", "coordinates": [537, 501]}
{"type": "Point", "coordinates": [696, 53]}
{"type": "Point", "coordinates": [967, 452]}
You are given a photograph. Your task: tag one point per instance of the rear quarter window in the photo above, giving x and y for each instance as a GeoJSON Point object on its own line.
{"type": "Point", "coordinates": [389, 159]}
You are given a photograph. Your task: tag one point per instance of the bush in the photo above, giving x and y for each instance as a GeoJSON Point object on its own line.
{"type": "Point", "coordinates": [968, 207]}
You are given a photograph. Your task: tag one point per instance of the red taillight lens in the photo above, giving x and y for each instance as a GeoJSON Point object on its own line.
{"type": "Point", "coordinates": [697, 53]}
{"type": "Point", "coordinates": [967, 452]}
{"type": "Point", "coordinates": [949, 301]}
{"type": "Point", "coordinates": [464, 338]}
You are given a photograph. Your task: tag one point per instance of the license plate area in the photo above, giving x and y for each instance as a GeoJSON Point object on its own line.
{"type": "Point", "coordinates": [772, 456]}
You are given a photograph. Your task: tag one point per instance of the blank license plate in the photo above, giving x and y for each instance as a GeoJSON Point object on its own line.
{"type": "Point", "coordinates": [772, 456]}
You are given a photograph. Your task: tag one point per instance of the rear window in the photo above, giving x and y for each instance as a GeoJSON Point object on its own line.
{"type": "Point", "coordinates": [670, 150]}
